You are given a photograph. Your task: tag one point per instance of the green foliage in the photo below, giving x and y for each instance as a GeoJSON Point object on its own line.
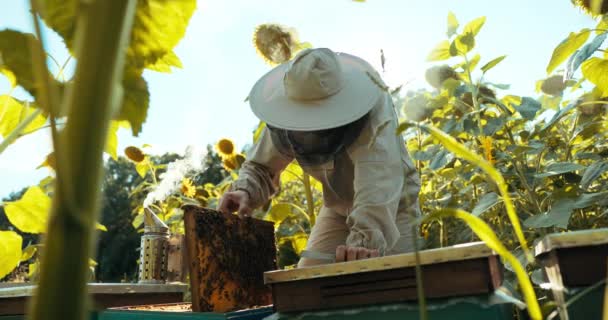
{"type": "Point", "coordinates": [567, 47]}
{"type": "Point", "coordinates": [10, 247]}
{"type": "Point", "coordinates": [30, 213]}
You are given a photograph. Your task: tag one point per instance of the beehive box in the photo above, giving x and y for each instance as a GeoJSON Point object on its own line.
{"type": "Point", "coordinates": [461, 270]}
{"type": "Point", "coordinates": [227, 259]}
{"type": "Point", "coordinates": [574, 259]}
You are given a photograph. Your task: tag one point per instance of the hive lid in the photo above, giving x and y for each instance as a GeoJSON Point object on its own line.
{"type": "Point", "coordinates": [453, 253]}
{"type": "Point", "coordinates": [572, 239]}
{"type": "Point", "coordinates": [152, 223]}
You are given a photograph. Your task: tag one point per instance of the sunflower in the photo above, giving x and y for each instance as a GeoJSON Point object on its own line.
{"type": "Point", "coordinates": [188, 188]}
{"type": "Point", "coordinates": [275, 43]}
{"type": "Point", "coordinates": [554, 85]}
{"type": "Point", "coordinates": [592, 7]}
{"type": "Point", "coordinates": [135, 154]}
{"type": "Point", "coordinates": [225, 148]}
{"type": "Point", "coordinates": [436, 75]}
{"type": "Point", "coordinates": [230, 163]}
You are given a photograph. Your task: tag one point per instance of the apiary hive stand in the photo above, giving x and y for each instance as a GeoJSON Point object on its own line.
{"type": "Point", "coordinates": [461, 270]}
{"type": "Point", "coordinates": [574, 259]}
{"type": "Point", "coordinates": [227, 260]}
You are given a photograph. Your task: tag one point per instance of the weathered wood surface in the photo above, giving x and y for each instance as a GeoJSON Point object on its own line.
{"type": "Point", "coordinates": [456, 271]}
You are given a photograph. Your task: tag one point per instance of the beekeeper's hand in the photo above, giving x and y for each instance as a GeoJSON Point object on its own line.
{"type": "Point", "coordinates": [237, 200]}
{"type": "Point", "coordinates": [346, 253]}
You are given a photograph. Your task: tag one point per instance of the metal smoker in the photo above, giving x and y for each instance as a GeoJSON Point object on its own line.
{"type": "Point", "coordinates": [153, 250]}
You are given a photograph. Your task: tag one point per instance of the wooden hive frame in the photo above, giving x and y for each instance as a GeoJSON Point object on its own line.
{"type": "Point", "coordinates": [461, 270]}
{"type": "Point", "coordinates": [227, 259]}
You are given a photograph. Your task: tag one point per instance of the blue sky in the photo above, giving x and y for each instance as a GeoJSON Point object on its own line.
{"type": "Point", "coordinates": [204, 101]}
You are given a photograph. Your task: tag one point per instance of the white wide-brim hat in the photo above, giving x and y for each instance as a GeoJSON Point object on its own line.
{"type": "Point", "coordinates": [316, 90]}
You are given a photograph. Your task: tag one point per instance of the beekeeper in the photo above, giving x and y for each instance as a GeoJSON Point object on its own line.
{"type": "Point", "coordinates": [323, 110]}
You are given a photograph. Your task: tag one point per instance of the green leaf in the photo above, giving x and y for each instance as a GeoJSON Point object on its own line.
{"type": "Point", "coordinates": [136, 100]}
{"type": "Point", "coordinates": [486, 202]}
{"type": "Point", "coordinates": [593, 172]}
{"type": "Point", "coordinates": [112, 140]}
{"type": "Point", "coordinates": [474, 26]}
{"type": "Point", "coordinates": [10, 252]}
{"type": "Point", "coordinates": [29, 252]}
{"type": "Point", "coordinates": [166, 62]}
{"type": "Point", "coordinates": [559, 114]}
{"type": "Point", "coordinates": [567, 47]}
{"type": "Point", "coordinates": [583, 54]}
{"type": "Point", "coordinates": [463, 44]}
{"type": "Point", "coordinates": [441, 159]}
{"type": "Point", "coordinates": [142, 167]}
{"type": "Point", "coordinates": [485, 233]}
{"type": "Point", "coordinates": [100, 226]}
{"type": "Point", "coordinates": [440, 52]}
{"type": "Point", "coordinates": [559, 168]}
{"type": "Point", "coordinates": [16, 57]}
{"type": "Point", "coordinates": [158, 26]}
{"type": "Point", "coordinates": [558, 216]}
{"type": "Point", "coordinates": [492, 64]}
{"type": "Point", "coordinates": [30, 213]}
{"type": "Point", "coordinates": [596, 71]}
{"type": "Point", "coordinates": [138, 220]}
{"type": "Point", "coordinates": [278, 213]}
{"type": "Point", "coordinates": [473, 62]}
{"type": "Point", "coordinates": [12, 112]}
{"type": "Point", "coordinates": [588, 199]}
{"type": "Point", "coordinates": [528, 108]}
{"type": "Point", "coordinates": [452, 24]}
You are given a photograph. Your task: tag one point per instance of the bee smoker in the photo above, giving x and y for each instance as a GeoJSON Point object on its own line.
{"type": "Point", "coordinates": [153, 250]}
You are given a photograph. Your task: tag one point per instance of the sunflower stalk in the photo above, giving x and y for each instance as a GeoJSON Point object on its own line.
{"type": "Point", "coordinates": [309, 199]}
{"type": "Point", "coordinates": [102, 32]}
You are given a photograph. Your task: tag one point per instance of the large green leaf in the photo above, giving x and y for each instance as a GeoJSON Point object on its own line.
{"type": "Point", "coordinates": [593, 172]}
{"type": "Point", "coordinates": [567, 47]}
{"type": "Point", "coordinates": [558, 216]}
{"type": "Point", "coordinates": [440, 52]}
{"type": "Point", "coordinates": [10, 251]}
{"type": "Point", "coordinates": [452, 24]}
{"type": "Point", "coordinates": [136, 100]}
{"type": "Point", "coordinates": [528, 108]}
{"type": "Point", "coordinates": [170, 60]}
{"type": "Point", "coordinates": [30, 213]}
{"type": "Point", "coordinates": [583, 54]}
{"type": "Point", "coordinates": [474, 26]}
{"type": "Point", "coordinates": [16, 58]}
{"type": "Point", "coordinates": [486, 202]}
{"type": "Point", "coordinates": [596, 71]}
{"type": "Point", "coordinates": [159, 25]}
{"type": "Point", "coordinates": [559, 168]}
{"type": "Point", "coordinates": [112, 140]}
{"type": "Point", "coordinates": [12, 112]}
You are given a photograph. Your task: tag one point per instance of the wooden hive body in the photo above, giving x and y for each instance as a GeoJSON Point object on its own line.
{"type": "Point", "coordinates": [453, 271]}
{"type": "Point", "coordinates": [227, 259]}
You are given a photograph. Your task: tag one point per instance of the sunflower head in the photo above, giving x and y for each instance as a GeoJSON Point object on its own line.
{"type": "Point", "coordinates": [275, 43]}
{"type": "Point", "coordinates": [229, 163]}
{"type": "Point", "coordinates": [225, 148]}
{"type": "Point", "coordinates": [592, 7]}
{"type": "Point", "coordinates": [135, 154]}
{"type": "Point", "coordinates": [188, 188]}
{"type": "Point", "coordinates": [554, 85]}
{"type": "Point", "coordinates": [436, 75]}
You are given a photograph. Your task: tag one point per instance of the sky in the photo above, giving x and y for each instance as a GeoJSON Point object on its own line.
{"type": "Point", "coordinates": [204, 101]}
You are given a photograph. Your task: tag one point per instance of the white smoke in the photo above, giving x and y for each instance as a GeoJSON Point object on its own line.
{"type": "Point", "coordinates": [171, 180]}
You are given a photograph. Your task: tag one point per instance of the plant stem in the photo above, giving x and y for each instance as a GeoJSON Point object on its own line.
{"type": "Point", "coordinates": [16, 133]}
{"type": "Point", "coordinates": [474, 94]}
{"type": "Point", "coordinates": [309, 199]}
{"type": "Point", "coordinates": [419, 283]}
{"type": "Point", "coordinates": [102, 32]}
